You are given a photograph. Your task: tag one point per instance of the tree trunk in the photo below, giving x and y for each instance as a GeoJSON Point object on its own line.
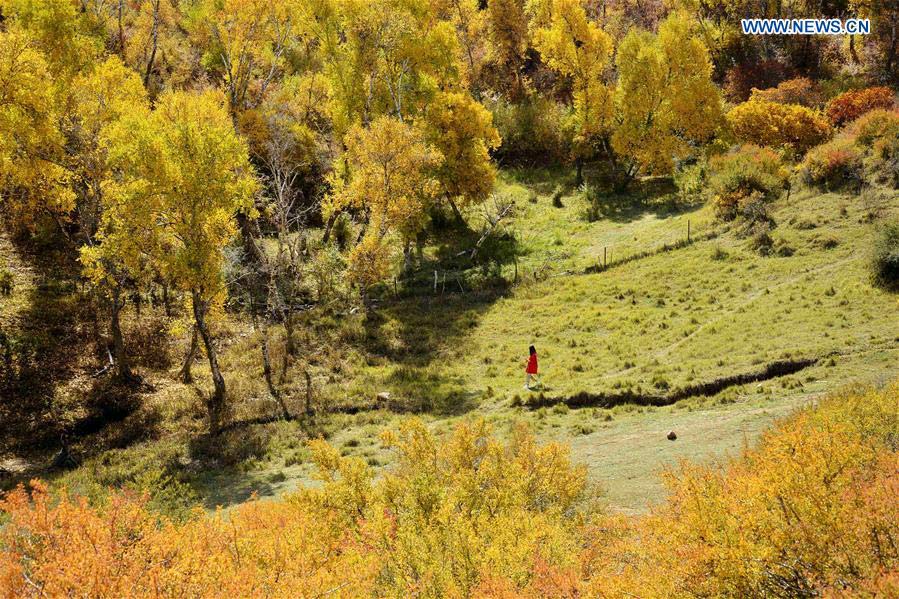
{"type": "Point", "coordinates": [407, 257]}
{"type": "Point", "coordinates": [185, 374]}
{"type": "Point", "coordinates": [308, 393]}
{"type": "Point", "coordinates": [267, 371]}
{"type": "Point", "coordinates": [166, 301]}
{"type": "Point", "coordinates": [456, 211]}
{"type": "Point", "coordinates": [891, 52]}
{"type": "Point", "coordinates": [328, 226]}
{"type": "Point", "coordinates": [579, 172]}
{"type": "Point", "coordinates": [216, 403]}
{"type": "Point", "coordinates": [290, 346]}
{"type": "Point", "coordinates": [122, 368]}
{"type": "Point", "coordinates": [155, 39]}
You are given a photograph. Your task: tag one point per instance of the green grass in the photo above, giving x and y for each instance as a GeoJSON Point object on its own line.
{"type": "Point", "coordinates": [659, 323]}
{"type": "Point", "coordinates": [663, 322]}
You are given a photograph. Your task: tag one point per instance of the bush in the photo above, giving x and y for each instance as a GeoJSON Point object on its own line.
{"type": "Point", "coordinates": [452, 515]}
{"type": "Point", "coordinates": [744, 178]}
{"type": "Point", "coordinates": [790, 126]}
{"type": "Point", "coordinates": [690, 180]}
{"type": "Point", "coordinates": [343, 232]}
{"type": "Point", "coordinates": [878, 133]}
{"type": "Point", "coordinates": [557, 197]}
{"type": "Point", "coordinates": [850, 105]}
{"type": "Point", "coordinates": [801, 90]}
{"type": "Point", "coordinates": [836, 164]}
{"type": "Point", "coordinates": [810, 511]}
{"type": "Point", "coordinates": [875, 125]}
{"type": "Point", "coordinates": [885, 261]}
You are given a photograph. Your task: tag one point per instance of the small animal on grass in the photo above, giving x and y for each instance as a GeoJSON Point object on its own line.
{"type": "Point", "coordinates": [531, 369]}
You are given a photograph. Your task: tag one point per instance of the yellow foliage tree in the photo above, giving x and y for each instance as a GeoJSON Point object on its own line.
{"type": "Point", "coordinates": [100, 98]}
{"type": "Point", "coordinates": [390, 179]}
{"type": "Point", "coordinates": [462, 131]}
{"type": "Point", "coordinates": [34, 180]}
{"type": "Point", "coordinates": [182, 173]}
{"type": "Point", "coordinates": [507, 33]}
{"type": "Point", "coordinates": [577, 48]}
{"type": "Point", "coordinates": [471, 28]}
{"type": "Point", "coordinates": [246, 42]}
{"type": "Point", "coordinates": [665, 101]}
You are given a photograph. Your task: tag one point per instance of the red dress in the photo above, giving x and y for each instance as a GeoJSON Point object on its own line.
{"type": "Point", "coordinates": [532, 365]}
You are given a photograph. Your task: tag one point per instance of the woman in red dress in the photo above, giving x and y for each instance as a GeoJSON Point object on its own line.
{"type": "Point", "coordinates": [531, 369]}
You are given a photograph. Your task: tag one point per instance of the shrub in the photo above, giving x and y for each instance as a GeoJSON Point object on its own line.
{"type": "Point", "coordinates": [874, 125]}
{"type": "Point", "coordinates": [449, 517]}
{"type": "Point", "coordinates": [557, 197]}
{"type": "Point", "coordinates": [885, 260]}
{"type": "Point", "coordinates": [790, 126]}
{"type": "Point", "coordinates": [327, 270]}
{"type": "Point", "coordinates": [801, 90]}
{"type": "Point", "coordinates": [343, 231]}
{"type": "Point", "coordinates": [878, 132]}
{"type": "Point", "coordinates": [840, 83]}
{"type": "Point", "coordinates": [369, 262]}
{"type": "Point", "coordinates": [884, 162]}
{"type": "Point", "coordinates": [836, 164]}
{"type": "Point", "coordinates": [850, 105]}
{"type": "Point", "coordinates": [743, 178]}
{"type": "Point", "coordinates": [811, 507]}
{"type": "Point", "coordinates": [690, 180]}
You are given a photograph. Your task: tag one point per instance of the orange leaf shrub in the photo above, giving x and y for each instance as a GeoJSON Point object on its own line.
{"type": "Point", "coordinates": [801, 90]}
{"type": "Point", "coordinates": [789, 126]}
{"type": "Point", "coordinates": [744, 175]}
{"type": "Point", "coordinates": [811, 510]}
{"type": "Point", "coordinates": [451, 518]}
{"type": "Point", "coordinates": [850, 105]}
{"type": "Point", "coordinates": [812, 507]}
{"type": "Point", "coordinates": [68, 548]}
{"type": "Point", "coordinates": [835, 164]}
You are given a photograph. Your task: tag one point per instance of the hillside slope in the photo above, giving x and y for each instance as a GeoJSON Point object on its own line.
{"type": "Point", "coordinates": [699, 323]}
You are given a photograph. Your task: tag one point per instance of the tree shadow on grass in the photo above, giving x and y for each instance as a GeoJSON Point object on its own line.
{"type": "Point", "coordinates": [46, 393]}
{"type": "Point", "coordinates": [38, 349]}
{"type": "Point", "coordinates": [649, 195]}
{"type": "Point", "coordinates": [423, 324]}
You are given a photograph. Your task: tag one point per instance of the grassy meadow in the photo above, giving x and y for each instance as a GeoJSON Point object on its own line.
{"type": "Point", "coordinates": [679, 316]}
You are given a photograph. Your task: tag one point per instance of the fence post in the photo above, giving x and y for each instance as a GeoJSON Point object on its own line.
{"type": "Point", "coordinates": [688, 230]}
{"type": "Point", "coordinates": [604, 261]}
